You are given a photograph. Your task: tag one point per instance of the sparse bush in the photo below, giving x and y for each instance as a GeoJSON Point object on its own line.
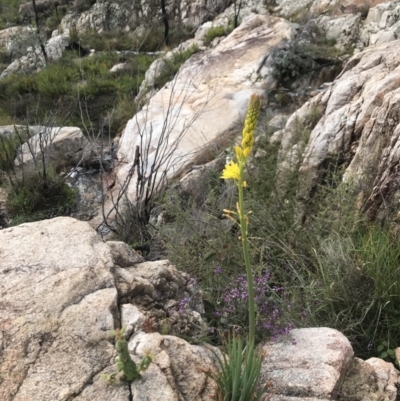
{"type": "Point", "coordinates": [72, 82]}
{"type": "Point", "coordinates": [8, 147]}
{"type": "Point", "coordinates": [291, 61]}
{"type": "Point", "coordinates": [35, 197]}
{"type": "Point", "coordinates": [215, 32]}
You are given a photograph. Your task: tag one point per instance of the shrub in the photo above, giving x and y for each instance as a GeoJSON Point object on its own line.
{"type": "Point", "coordinates": [291, 61]}
{"type": "Point", "coordinates": [8, 146]}
{"type": "Point", "coordinates": [215, 32]}
{"type": "Point", "coordinates": [35, 197]}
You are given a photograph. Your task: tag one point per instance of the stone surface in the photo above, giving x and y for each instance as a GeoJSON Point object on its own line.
{"type": "Point", "coordinates": [10, 37]}
{"type": "Point", "coordinates": [382, 24]}
{"type": "Point", "coordinates": [310, 364]}
{"type": "Point", "coordinates": [205, 101]}
{"type": "Point", "coordinates": [127, 16]}
{"type": "Point", "coordinates": [359, 124]}
{"type": "Point", "coordinates": [370, 380]}
{"type": "Point", "coordinates": [296, 8]}
{"type": "Point", "coordinates": [61, 147]}
{"type": "Point", "coordinates": [23, 46]}
{"type": "Point", "coordinates": [58, 300]}
{"type": "Point", "coordinates": [178, 371]}
{"type": "Point", "coordinates": [123, 255]}
{"type": "Point", "coordinates": [344, 29]}
{"type": "Point", "coordinates": [168, 298]}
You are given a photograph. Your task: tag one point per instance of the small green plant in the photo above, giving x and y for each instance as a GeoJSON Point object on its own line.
{"type": "Point", "coordinates": [125, 364]}
{"type": "Point", "coordinates": [386, 352]}
{"type": "Point", "coordinates": [8, 147]}
{"type": "Point", "coordinates": [215, 32]}
{"type": "Point", "coordinates": [239, 377]}
{"type": "Point", "coordinates": [36, 197]}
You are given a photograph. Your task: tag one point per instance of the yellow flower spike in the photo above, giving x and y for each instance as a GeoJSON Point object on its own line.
{"type": "Point", "coordinates": [247, 151]}
{"type": "Point", "coordinates": [236, 171]}
{"type": "Point", "coordinates": [239, 153]}
{"type": "Point", "coordinates": [231, 171]}
{"type": "Point", "coordinates": [229, 211]}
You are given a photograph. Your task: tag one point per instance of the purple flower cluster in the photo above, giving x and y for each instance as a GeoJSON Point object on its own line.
{"type": "Point", "coordinates": [269, 319]}
{"type": "Point", "coordinates": [184, 304]}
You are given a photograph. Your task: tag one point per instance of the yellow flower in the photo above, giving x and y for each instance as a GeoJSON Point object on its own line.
{"type": "Point", "coordinates": [231, 171]}
{"type": "Point", "coordinates": [247, 151]}
{"type": "Point", "coordinates": [239, 153]}
{"type": "Point", "coordinates": [252, 115]}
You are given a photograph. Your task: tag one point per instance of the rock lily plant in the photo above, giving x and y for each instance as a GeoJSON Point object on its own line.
{"type": "Point", "coordinates": [239, 375]}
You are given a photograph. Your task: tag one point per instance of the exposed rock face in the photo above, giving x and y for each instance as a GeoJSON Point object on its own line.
{"type": "Point", "coordinates": [178, 371]}
{"type": "Point", "coordinates": [370, 380]}
{"type": "Point", "coordinates": [60, 146]}
{"type": "Point", "coordinates": [344, 29]}
{"type": "Point", "coordinates": [127, 16]}
{"type": "Point", "coordinates": [29, 54]}
{"type": "Point", "coordinates": [382, 24]}
{"type": "Point", "coordinates": [311, 367]}
{"type": "Point", "coordinates": [169, 299]}
{"type": "Point", "coordinates": [206, 99]}
{"type": "Point", "coordinates": [9, 37]}
{"type": "Point", "coordinates": [293, 8]}
{"type": "Point", "coordinates": [359, 129]}
{"type": "Point", "coordinates": [58, 301]}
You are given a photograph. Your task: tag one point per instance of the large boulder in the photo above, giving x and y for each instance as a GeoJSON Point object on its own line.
{"type": "Point", "coordinates": [23, 45]}
{"type": "Point", "coordinates": [58, 300]}
{"type": "Point", "coordinates": [58, 146]}
{"type": "Point", "coordinates": [310, 366]}
{"type": "Point", "coordinates": [191, 117]}
{"type": "Point", "coordinates": [60, 287]}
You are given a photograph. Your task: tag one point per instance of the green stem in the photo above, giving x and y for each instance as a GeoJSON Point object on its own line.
{"type": "Point", "coordinates": [245, 245]}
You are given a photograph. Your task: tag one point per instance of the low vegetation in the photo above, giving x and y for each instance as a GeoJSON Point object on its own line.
{"type": "Point", "coordinates": [86, 89]}
{"type": "Point", "coordinates": [318, 263]}
{"type": "Point", "coordinates": [216, 32]}
{"type": "Point", "coordinates": [310, 51]}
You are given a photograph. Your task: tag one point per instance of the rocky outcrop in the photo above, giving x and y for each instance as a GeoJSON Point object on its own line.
{"type": "Point", "coordinates": [371, 380]}
{"type": "Point", "coordinates": [358, 129]}
{"type": "Point", "coordinates": [302, 8]}
{"type": "Point", "coordinates": [310, 365]}
{"type": "Point", "coordinates": [382, 24]}
{"type": "Point", "coordinates": [127, 16]}
{"type": "Point", "coordinates": [59, 147]}
{"type": "Point", "coordinates": [29, 54]}
{"type": "Point", "coordinates": [166, 299]}
{"type": "Point", "coordinates": [58, 302]}
{"type": "Point", "coordinates": [201, 106]}
{"type": "Point", "coordinates": [178, 372]}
